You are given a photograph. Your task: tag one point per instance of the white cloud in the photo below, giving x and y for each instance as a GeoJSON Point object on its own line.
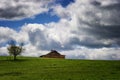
{"type": "Point", "coordinates": [6, 34]}
{"type": "Point", "coordinates": [46, 36]}
{"type": "Point", "coordinates": [3, 51]}
{"type": "Point", "coordinates": [38, 47]}
{"type": "Point", "coordinates": [83, 32]}
{"type": "Point", "coordinates": [93, 54]}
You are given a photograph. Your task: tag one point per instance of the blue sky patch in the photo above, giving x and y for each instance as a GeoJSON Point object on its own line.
{"type": "Point", "coordinates": [64, 3]}
{"type": "Point", "coordinates": [40, 19]}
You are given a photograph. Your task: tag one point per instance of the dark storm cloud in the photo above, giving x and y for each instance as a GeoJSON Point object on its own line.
{"type": "Point", "coordinates": [96, 3]}
{"type": "Point", "coordinates": [106, 32]}
{"type": "Point", "coordinates": [113, 6]}
{"type": "Point", "coordinates": [19, 9]}
{"type": "Point", "coordinates": [87, 43]}
{"type": "Point", "coordinates": [100, 33]}
{"type": "Point", "coordinates": [103, 27]}
{"type": "Point", "coordinates": [10, 13]}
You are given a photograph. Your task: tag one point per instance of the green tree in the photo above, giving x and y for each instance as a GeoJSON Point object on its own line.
{"type": "Point", "coordinates": [15, 50]}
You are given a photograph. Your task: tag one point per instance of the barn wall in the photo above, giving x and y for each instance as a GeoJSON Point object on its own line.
{"type": "Point", "coordinates": [54, 56]}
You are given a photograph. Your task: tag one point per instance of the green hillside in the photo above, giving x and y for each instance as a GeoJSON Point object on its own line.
{"type": "Point", "coordinates": [27, 68]}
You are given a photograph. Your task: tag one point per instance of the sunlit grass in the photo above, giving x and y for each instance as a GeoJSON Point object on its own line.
{"type": "Point", "coordinates": [29, 68]}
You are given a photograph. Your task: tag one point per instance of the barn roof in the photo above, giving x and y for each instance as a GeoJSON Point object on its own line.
{"type": "Point", "coordinates": [53, 52]}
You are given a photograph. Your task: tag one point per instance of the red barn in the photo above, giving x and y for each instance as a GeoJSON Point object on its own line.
{"type": "Point", "coordinates": [53, 54]}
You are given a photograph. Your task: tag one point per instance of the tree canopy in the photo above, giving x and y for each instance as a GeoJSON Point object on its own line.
{"type": "Point", "coordinates": [15, 50]}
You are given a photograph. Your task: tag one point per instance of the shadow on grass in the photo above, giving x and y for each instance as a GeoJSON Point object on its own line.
{"type": "Point", "coordinates": [11, 74]}
{"type": "Point", "coordinates": [17, 60]}
{"type": "Point", "coordinates": [11, 59]}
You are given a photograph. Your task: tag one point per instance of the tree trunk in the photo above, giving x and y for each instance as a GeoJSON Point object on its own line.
{"type": "Point", "coordinates": [15, 57]}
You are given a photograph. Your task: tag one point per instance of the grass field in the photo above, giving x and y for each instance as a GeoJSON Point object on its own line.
{"type": "Point", "coordinates": [28, 68]}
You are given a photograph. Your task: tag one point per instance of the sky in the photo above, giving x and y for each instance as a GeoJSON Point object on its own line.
{"type": "Point", "coordinates": [79, 29]}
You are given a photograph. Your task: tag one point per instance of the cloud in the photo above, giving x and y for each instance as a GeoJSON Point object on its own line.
{"type": "Point", "coordinates": [40, 40]}
{"type": "Point", "coordinates": [93, 54]}
{"type": "Point", "coordinates": [46, 37]}
{"type": "Point", "coordinates": [20, 9]}
{"type": "Point", "coordinates": [3, 51]}
{"type": "Point", "coordinates": [95, 22]}
{"type": "Point", "coordinates": [6, 34]}
{"type": "Point", "coordinates": [87, 29]}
